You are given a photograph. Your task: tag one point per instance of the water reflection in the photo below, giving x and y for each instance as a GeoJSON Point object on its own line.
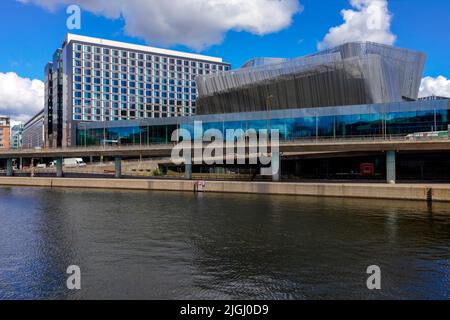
{"type": "Point", "coordinates": [158, 245]}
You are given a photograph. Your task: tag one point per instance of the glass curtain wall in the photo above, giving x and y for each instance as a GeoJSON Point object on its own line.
{"type": "Point", "coordinates": [334, 126]}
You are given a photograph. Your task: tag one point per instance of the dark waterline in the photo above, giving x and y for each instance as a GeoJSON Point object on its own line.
{"type": "Point", "coordinates": [159, 245]}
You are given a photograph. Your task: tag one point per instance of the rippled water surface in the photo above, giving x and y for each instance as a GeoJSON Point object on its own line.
{"type": "Point", "coordinates": [161, 245]}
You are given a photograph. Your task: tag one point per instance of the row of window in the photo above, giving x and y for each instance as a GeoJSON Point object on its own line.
{"type": "Point", "coordinates": [107, 54]}
{"type": "Point", "coordinates": [88, 59]}
{"type": "Point", "coordinates": [157, 77]}
{"type": "Point", "coordinates": [78, 103]}
{"type": "Point", "coordinates": [133, 95]}
{"type": "Point", "coordinates": [130, 88]}
{"type": "Point", "coordinates": [133, 81]}
{"type": "Point", "coordinates": [143, 70]}
{"type": "Point", "coordinates": [100, 111]}
{"type": "Point", "coordinates": [124, 116]}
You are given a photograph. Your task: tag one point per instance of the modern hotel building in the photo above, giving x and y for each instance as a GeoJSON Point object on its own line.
{"type": "Point", "coordinates": [95, 80]}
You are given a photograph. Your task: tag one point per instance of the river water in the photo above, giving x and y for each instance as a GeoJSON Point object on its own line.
{"type": "Point", "coordinates": [161, 245]}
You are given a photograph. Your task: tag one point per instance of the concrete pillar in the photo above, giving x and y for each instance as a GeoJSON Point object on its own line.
{"type": "Point", "coordinates": [276, 166]}
{"type": "Point", "coordinates": [298, 168]}
{"type": "Point", "coordinates": [188, 169]}
{"type": "Point", "coordinates": [118, 164]}
{"type": "Point", "coordinates": [59, 167]}
{"type": "Point", "coordinates": [9, 167]}
{"type": "Point", "coordinates": [391, 167]}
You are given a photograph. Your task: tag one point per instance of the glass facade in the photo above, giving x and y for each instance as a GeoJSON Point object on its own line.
{"type": "Point", "coordinates": [400, 118]}
{"type": "Point", "coordinates": [96, 80]}
{"type": "Point", "coordinates": [119, 83]}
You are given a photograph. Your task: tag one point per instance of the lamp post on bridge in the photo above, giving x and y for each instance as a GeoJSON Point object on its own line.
{"type": "Point", "coordinates": [268, 98]}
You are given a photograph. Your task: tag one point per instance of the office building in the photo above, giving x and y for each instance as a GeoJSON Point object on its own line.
{"type": "Point", "coordinates": [93, 79]}
{"type": "Point", "coordinates": [4, 132]}
{"type": "Point", "coordinates": [16, 136]}
{"type": "Point", "coordinates": [33, 132]}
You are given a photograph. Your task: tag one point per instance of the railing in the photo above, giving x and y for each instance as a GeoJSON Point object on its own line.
{"type": "Point", "coordinates": [121, 147]}
{"type": "Point", "coordinates": [303, 140]}
{"type": "Point", "coordinates": [379, 138]}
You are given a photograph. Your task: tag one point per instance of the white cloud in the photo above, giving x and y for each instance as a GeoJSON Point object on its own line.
{"type": "Point", "coordinates": [194, 23]}
{"type": "Point", "coordinates": [369, 21]}
{"type": "Point", "coordinates": [439, 86]}
{"type": "Point", "coordinates": [20, 98]}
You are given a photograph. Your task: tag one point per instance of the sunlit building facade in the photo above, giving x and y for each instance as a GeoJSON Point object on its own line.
{"type": "Point", "coordinates": [93, 79]}
{"type": "Point", "coordinates": [378, 120]}
{"type": "Point", "coordinates": [5, 132]}
{"type": "Point", "coordinates": [33, 132]}
{"type": "Point", "coordinates": [354, 90]}
{"type": "Point", "coordinates": [350, 74]}
{"type": "Point", "coordinates": [16, 136]}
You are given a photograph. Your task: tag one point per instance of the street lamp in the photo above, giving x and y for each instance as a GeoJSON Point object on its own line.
{"type": "Point", "coordinates": [268, 98]}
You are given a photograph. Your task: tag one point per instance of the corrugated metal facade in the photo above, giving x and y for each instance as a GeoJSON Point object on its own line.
{"type": "Point", "coordinates": [354, 73]}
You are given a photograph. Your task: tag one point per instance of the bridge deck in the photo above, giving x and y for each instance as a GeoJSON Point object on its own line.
{"type": "Point", "coordinates": [300, 146]}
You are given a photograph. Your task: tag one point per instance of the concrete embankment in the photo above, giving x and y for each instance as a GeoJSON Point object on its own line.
{"type": "Point", "coordinates": [425, 192]}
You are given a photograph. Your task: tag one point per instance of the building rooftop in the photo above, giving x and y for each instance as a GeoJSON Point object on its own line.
{"type": "Point", "coordinates": [125, 45]}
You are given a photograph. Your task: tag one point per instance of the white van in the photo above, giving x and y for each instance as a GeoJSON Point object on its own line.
{"type": "Point", "coordinates": [71, 163]}
{"type": "Point", "coordinates": [74, 162]}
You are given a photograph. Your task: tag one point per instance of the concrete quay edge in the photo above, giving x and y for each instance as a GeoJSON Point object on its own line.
{"type": "Point", "coordinates": [423, 192]}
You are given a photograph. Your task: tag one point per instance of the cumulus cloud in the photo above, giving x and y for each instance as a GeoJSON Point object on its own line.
{"type": "Point", "coordinates": [20, 98]}
{"type": "Point", "coordinates": [370, 20]}
{"type": "Point", "coordinates": [194, 23]}
{"type": "Point", "coordinates": [439, 86]}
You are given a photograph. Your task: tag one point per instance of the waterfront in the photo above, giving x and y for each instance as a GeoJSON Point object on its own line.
{"type": "Point", "coordinates": [172, 245]}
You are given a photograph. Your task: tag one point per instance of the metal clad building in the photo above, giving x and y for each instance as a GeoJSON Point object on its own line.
{"type": "Point", "coordinates": [351, 74]}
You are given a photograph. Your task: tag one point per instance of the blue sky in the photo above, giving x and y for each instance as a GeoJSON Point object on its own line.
{"type": "Point", "coordinates": [31, 33]}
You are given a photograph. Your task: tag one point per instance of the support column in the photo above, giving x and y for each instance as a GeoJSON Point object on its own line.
{"type": "Point", "coordinates": [59, 167]}
{"type": "Point", "coordinates": [276, 166]}
{"type": "Point", "coordinates": [9, 167]}
{"type": "Point", "coordinates": [188, 169]}
{"type": "Point", "coordinates": [391, 167]}
{"type": "Point", "coordinates": [298, 168]}
{"type": "Point", "coordinates": [118, 165]}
